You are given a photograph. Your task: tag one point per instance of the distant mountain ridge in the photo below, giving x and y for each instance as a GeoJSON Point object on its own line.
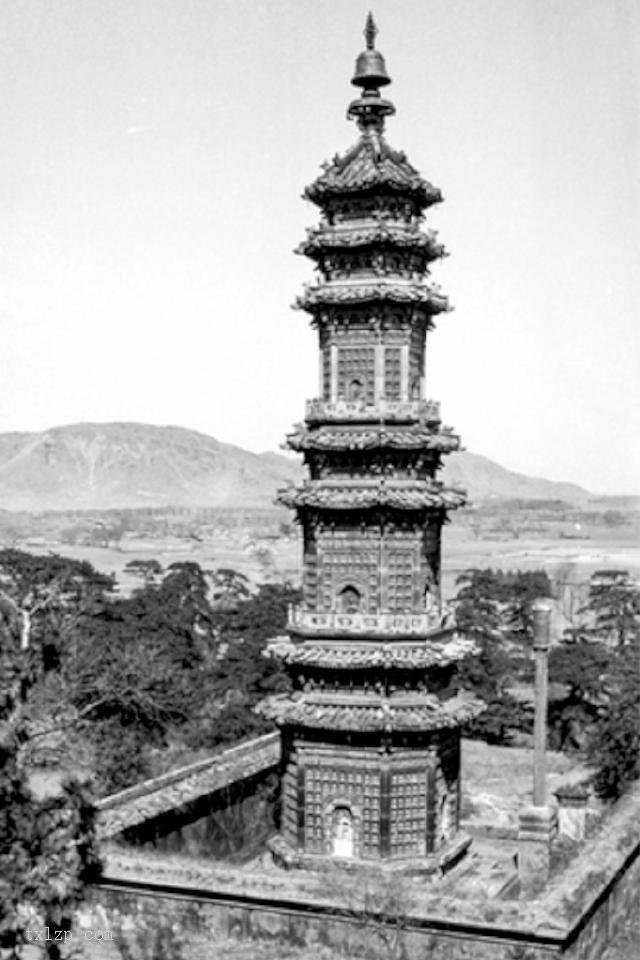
{"type": "Point", "coordinates": [109, 465]}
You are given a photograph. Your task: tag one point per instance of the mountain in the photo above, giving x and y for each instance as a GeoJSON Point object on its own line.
{"type": "Point", "coordinates": [105, 465]}
{"type": "Point", "coordinates": [485, 479]}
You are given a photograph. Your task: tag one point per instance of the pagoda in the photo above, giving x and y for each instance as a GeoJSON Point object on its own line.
{"type": "Point", "coordinates": [371, 728]}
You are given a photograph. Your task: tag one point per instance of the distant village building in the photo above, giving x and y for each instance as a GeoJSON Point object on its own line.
{"type": "Point", "coordinates": [371, 731]}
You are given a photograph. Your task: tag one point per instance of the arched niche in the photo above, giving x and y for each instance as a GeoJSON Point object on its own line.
{"type": "Point", "coordinates": [350, 599]}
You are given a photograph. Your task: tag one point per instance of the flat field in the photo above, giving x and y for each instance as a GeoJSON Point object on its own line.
{"type": "Point", "coordinates": [568, 562]}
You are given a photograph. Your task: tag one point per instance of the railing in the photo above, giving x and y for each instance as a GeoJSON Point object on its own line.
{"type": "Point", "coordinates": [412, 624]}
{"type": "Point", "coordinates": [318, 410]}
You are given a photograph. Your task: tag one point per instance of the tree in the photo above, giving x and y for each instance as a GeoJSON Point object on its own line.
{"type": "Point", "coordinates": [613, 607]}
{"type": "Point", "coordinates": [149, 571]}
{"type": "Point", "coordinates": [581, 667]}
{"type": "Point", "coordinates": [243, 674]}
{"type": "Point", "coordinates": [497, 602]}
{"type": "Point", "coordinates": [141, 668]}
{"type": "Point", "coordinates": [229, 588]}
{"type": "Point", "coordinates": [615, 745]}
{"type": "Point", "coordinates": [494, 607]}
{"type": "Point", "coordinates": [47, 846]}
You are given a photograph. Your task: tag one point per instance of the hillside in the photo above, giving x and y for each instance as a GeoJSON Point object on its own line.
{"type": "Point", "coordinates": [91, 465]}
{"type": "Point", "coordinates": [100, 466]}
{"type": "Point", "coordinates": [485, 479]}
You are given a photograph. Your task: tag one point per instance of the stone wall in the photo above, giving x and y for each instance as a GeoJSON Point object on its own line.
{"type": "Point", "coordinates": [183, 906]}
{"type": "Point", "coordinates": [182, 795]}
{"type": "Point", "coordinates": [189, 912]}
{"type": "Point", "coordinates": [188, 929]}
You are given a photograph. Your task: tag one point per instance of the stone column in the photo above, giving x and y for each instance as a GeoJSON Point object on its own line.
{"type": "Point", "coordinates": [538, 823]}
{"type": "Point", "coordinates": [378, 371]}
{"type": "Point", "coordinates": [333, 355]}
{"type": "Point", "coordinates": [404, 371]}
{"type": "Point", "coordinates": [541, 644]}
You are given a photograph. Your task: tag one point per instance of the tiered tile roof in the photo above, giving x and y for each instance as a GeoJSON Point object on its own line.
{"type": "Point", "coordinates": [383, 437]}
{"type": "Point", "coordinates": [424, 495]}
{"type": "Point", "coordinates": [378, 234]}
{"type": "Point", "coordinates": [372, 713]}
{"type": "Point", "coordinates": [372, 166]}
{"type": "Point", "coordinates": [325, 294]}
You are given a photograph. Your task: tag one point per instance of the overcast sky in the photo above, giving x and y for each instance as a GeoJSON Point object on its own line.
{"type": "Point", "coordinates": [153, 156]}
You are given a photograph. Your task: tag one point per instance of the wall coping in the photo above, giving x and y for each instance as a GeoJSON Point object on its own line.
{"type": "Point", "coordinates": [159, 795]}
{"type": "Point", "coordinates": [181, 773]}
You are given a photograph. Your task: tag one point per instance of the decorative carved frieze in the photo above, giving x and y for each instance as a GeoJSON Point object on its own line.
{"type": "Point", "coordinates": [312, 622]}
{"type": "Point", "coordinates": [342, 655]}
{"type": "Point", "coordinates": [359, 411]}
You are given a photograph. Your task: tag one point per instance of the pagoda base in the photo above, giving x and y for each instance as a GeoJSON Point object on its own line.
{"type": "Point", "coordinates": [433, 865]}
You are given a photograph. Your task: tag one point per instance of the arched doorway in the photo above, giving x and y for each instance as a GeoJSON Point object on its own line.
{"type": "Point", "coordinates": [356, 390]}
{"type": "Point", "coordinates": [342, 832]}
{"type": "Point", "coordinates": [350, 600]}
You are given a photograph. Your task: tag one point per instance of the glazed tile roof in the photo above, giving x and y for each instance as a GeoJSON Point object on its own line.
{"type": "Point", "coordinates": [407, 712]}
{"type": "Point", "coordinates": [314, 493]}
{"type": "Point", "coordinates": [370, 439]}
{"type": "Point", "coordinates": [326, 294]}
{"type": "Point", "coordinates": [371, 164]}
{"type": "Point", "coordinates": [379, 233]}
{"type": "Point", "coordinates": [433, 653]}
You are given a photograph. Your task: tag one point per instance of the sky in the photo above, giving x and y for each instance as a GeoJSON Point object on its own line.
{"type": "Point", "coordinates": [153, 157]}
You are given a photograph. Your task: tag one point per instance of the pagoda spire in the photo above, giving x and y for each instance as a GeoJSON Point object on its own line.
{"type": "Point", "coordinates": [370, 109]}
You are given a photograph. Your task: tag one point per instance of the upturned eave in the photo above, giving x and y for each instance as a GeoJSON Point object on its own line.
{"type": "Point", "coordinates": [415, 713]}
{"type": "Point", "coordinates": [329, 294]}
{"type": "Point", "coordinates": [424, 495]}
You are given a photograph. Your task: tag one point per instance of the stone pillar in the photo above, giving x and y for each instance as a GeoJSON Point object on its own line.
{"type": "Point", "coordinates": [333, 355]}
{"type": "Point", "coordinates": [541, 644]}
{"type": "Point", "coordinates": [572, 810]}
{"type": "Point", "coordinates": [404, 371]}
{"type": "Point", "coordinates": [538, 823]}
{"type": "Point", "coordinates": [378, 361]}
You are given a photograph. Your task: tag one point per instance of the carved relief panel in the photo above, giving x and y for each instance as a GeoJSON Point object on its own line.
{"type": "Point", "coordinates": [342, 810]}
{"type": "Point", "coordinates": [356, 373]}
{"type": "Point", "coordinates": [408, 812]}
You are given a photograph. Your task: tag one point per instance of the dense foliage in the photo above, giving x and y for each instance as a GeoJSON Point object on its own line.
{"type": "Point", "coordinates": [178, 663]}
{"type": "Point", "coordinates": [495, 607]}
{"type": "Point", "coordinates": [47, 843]}
{"type": "Point", "coordinates": [594, 671]}
{"type": "Point", "coordinates": [614, 746]}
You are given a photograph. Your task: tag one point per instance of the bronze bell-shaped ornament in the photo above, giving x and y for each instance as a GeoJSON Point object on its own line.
{"type": "Point", "coordinates": [371, 71]}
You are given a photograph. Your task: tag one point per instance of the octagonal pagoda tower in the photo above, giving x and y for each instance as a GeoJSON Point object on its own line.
{"type": "Point", "coordinates": [371, 731]}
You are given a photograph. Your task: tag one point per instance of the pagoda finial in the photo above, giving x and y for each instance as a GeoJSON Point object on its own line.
{"type": "Point", "coordinates": [370, 74]}
{"type": "Point", "coordinates": [370, 31]}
